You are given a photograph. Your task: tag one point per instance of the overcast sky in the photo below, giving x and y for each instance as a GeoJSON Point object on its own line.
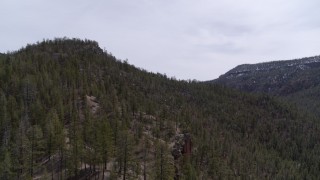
{"type": "Point", "coordinates": [188, 39]}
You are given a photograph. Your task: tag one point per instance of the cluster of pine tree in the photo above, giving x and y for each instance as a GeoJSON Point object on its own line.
{"type": "Point", "coordinates": [68, 109]}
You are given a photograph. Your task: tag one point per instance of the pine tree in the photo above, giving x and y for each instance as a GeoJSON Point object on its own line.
{"type": "Point", "coordinates": [105, 142]}
{"type": "Point", "coordinates": [75, 151]}
{"type": "Point", "coordinates": [37, 142]}
{"type": "Point", "coordinates": [124, 153]}
{"type": "Point", "coordinates": [6, 165]}
{"type": "Point", "coordinates": [54, 136]}
{"type": "Point", "coordinates": [188, 171]}
{"type": "Point", "coordinates": [4, 121]}
{"type": "Point", "coordinates": [22, 150]}
{"type": "Point", "coordinates": [163, 168]}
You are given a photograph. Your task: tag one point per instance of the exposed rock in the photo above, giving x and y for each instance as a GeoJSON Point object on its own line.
{"type": "Point", "coordinates": [93, 104]}
{"type": "Point", "coordinates": [178, 146]}
{"type": "Point", "coordinates": [182, 147]}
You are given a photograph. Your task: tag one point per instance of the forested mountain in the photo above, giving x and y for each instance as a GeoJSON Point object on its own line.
{"type": "Point", "coordinates": [295, 80]}
{"type": "Point", "coordinates": [69, 110]}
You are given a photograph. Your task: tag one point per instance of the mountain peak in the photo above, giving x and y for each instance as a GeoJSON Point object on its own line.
{"type": "Point", "coordinates": [70, 45]}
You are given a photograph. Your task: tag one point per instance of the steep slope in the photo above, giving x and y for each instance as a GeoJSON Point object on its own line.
{"type": "Point", "coordinates": [295, 80]}
{"type": "Point", "coordinates": [72, 111]}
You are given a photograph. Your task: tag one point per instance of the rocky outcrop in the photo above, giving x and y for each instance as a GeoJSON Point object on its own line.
{"type": "Point", "coordinates": [93, 104]}
{"type": "Point", "coordinates": [182, 148]}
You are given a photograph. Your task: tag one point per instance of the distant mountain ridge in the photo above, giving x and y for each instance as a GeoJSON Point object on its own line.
{"type": "Point", "coordinates": [298, 63]}
{"type": "Point", "coordinates": [296, 80]}
{"type": "Point", "coordinates": [278, 77]}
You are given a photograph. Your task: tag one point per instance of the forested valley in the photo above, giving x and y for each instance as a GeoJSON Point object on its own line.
{"type": "Point", "coordinates": [70, 110]}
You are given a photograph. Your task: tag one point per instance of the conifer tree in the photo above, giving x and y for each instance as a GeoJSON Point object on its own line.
{"type": "Point", "coordinates": [23, 150]}
{"type": "Point", "coordinates": [105, 142]}
{"type": "Point", "coordinates": [163, 168]}
{"type": "Point", "coordinates": [6, 165]}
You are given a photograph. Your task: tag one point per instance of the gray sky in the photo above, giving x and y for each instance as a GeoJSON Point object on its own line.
{"type": "Point", "coordinates": [188, 39]}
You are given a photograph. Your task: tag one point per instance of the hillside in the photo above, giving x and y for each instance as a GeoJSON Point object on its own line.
{"type": "Point", "coordinates": [69, 110]}
{"type": "Point", "coordinates": [296, 80]}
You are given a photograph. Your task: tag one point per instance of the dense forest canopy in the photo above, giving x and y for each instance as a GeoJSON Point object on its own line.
{"type": "Point", "coordinates": [70, 110]}
{"type": "Point", "coordinates": [296, 81]}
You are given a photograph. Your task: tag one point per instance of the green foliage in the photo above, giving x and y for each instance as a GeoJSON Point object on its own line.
{"type": "Point", "coordinates": [296, 81]}
{"type": "Point", "coordinates": [164, 166]}
{"type": "Point", "coordinates": [189, 172]}
{"type": "Point", "coordinates": [72, 110]}
{"type": "Point", "coordinates": [6, 165]}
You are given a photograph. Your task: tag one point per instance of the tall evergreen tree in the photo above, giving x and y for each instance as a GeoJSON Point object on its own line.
{"type": "Point", "coordinates": [163, 167]}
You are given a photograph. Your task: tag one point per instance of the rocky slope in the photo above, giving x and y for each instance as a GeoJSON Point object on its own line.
{"type": "Point", "coordinates": [279, 77]}
{"type": "Point", "coordinates": [295, 80]}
